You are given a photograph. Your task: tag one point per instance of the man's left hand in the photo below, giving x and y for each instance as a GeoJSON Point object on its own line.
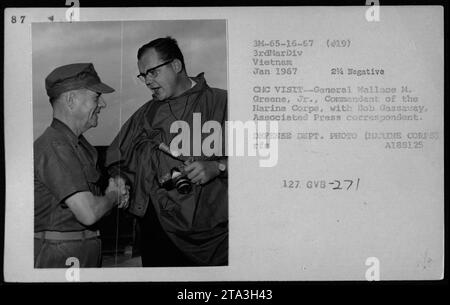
{"type": "Point", "coordinates": [201, 172]}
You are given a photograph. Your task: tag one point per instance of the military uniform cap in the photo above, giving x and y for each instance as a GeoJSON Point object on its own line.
{"type": "Point", "coordinates": [72, 77]}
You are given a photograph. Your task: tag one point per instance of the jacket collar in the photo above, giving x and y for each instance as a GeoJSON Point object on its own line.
{"type": "Point", "coordinates": [199, 86]}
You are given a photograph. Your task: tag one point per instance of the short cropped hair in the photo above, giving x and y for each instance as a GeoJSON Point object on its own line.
{"type": "Point", "coordinates": [167, 49]}
{"type": "Point", "coordinates": [53, 100]}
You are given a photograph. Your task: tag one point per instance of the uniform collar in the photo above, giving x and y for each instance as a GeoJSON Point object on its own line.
{"type": "Point", "coordinates": [63, 128]}
{"type": "Point", "coordinates": [75, 141]}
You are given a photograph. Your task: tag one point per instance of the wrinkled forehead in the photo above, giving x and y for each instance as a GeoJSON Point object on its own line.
{"type": "Point", "coordinates": [149, 60]}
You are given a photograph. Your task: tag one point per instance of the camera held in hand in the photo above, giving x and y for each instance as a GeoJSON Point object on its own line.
{"type": "Point", "coordinates": [177, 178]}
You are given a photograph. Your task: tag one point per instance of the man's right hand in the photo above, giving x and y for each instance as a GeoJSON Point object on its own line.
{"type": "Point", "coordinates": [88, 208]}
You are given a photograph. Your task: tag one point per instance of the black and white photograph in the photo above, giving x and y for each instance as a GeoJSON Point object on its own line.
{"type": "Point", "coordinates": [223, 145]}
{"type": "Point", "coordinates": [109, 188]}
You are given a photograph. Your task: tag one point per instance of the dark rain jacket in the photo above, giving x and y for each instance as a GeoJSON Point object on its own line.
{"type": "Point", "coordinates": [196, 222]}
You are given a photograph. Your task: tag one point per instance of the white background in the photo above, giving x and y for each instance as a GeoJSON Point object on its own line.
{"type": "Point", "coordinates": [278, 234]}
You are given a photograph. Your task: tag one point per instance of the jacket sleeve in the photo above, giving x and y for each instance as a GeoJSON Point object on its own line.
{"type": "Point", "coordinates": [120, 157]}
{"type": "Point", "coordinates": [129, 156]}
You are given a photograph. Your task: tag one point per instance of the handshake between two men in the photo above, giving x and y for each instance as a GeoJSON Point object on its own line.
{"type": "Point", "coordinates": [119, 192]}
{"type": "Point", "coordinates": [198, 172]}
{"type": "Point", "coordinates": [68, 201]}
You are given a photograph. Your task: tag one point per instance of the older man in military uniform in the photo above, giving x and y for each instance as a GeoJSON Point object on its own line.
{"type": "Point", "coordinates": [68, 202]}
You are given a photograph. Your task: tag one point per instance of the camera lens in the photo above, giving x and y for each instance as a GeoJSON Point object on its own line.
{"type": "Point", "coordinates": [183, 185]}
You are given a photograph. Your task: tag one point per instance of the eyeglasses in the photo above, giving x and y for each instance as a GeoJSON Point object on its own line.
{"type": "Point", "coordinates": [152, 72]}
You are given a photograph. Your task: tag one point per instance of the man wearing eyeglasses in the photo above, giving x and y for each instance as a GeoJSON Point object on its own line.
{"type": "Point", "coordinates": [180, 225]}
